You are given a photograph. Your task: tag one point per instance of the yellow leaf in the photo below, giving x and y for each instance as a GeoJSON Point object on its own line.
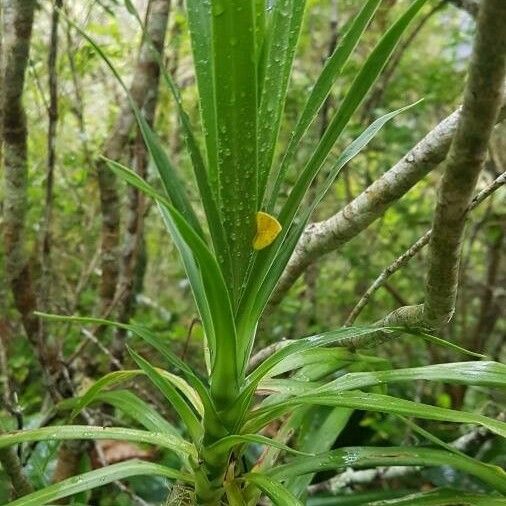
{"type": "Point", "coordinates": [268, 229]}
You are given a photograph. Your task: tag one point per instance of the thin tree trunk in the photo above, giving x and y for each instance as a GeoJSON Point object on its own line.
{"type": "Point", "coordinates": [482, 100]}
{"type": "Point", "coordinates": [329, 235]}
{"type": "Point", "coordinates": [52, 112]}
{"type": "Point", "coordinates": [148, 73]}
{"type": "Point", "coordinates": [18, 17]}
{"type": "Point", "coordinates": [16, 25]}
{"type": "Point", "coordinates": [142, 90]}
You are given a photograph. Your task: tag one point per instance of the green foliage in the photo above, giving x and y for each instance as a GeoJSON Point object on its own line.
{"type": "Point", "coordinates": [243, 56]}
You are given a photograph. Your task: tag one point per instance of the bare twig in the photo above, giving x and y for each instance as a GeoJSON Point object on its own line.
{"type": "Point", "coordinates": [413, 250]}
{"type": "Point", "coordinates": [322, 237]}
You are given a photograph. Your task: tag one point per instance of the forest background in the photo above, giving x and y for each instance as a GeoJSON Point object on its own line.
{"type": "Point", "coordinates": [94, 246]}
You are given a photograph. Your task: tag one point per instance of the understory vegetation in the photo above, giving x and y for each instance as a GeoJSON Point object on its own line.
{"type": "Point", "coordinates": [253, 252]}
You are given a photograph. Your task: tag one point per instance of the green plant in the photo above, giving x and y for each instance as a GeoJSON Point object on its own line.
{"type": "Point", "coordinates": [243, 56]}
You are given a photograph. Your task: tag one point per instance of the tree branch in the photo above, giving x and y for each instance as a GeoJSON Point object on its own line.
{"type": "Point", "coordinates": [482, 100]}
{"type": "Point", "coordinates": [413, 250]}
{"type": "Point", "coordinates": [133, 242]}
{"type": "Point", "coordinates": [329, 235]}
{"type": "Point", "coordinates": [142, 89]}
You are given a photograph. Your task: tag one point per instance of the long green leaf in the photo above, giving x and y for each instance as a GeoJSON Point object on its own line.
{"type": "Point", "coordinates": [199, 22]}
{"type": "Point", "coordinates": [172, 182]}
{"type": "Point", "coordinates": [337, 356]}
{"type": "Point", "coordinates": [373, 402]}
{"type": "Point", "coordinates": [229, 442]}
{"type": "Point", "coordinates": [131, 405]}
{"type": "Point", "coordinates": [468, 373]}
{"type": "Point", "coordinates": [136, 408]}
{"type": "Point", "coordinates": [359, 457]}
{"type": "Point", "coordinates": [172, 395]}
{"type": "Point", "coordinates": [116, 377]}
{"type": "Point", "coordinates": [278, 494]}
{"type": "Point", "coordinates": [321, 89]}
{"type": "Point", "coordinates": [65, 432]}
{"type": "Point", "coordinates": [443, 497]}
{"type": "Point", "coordinates": [284, 34]}
{"type": "Point", "coordinates": [235, 89]}
{"type": "Point", "coordinates": [99, 478]}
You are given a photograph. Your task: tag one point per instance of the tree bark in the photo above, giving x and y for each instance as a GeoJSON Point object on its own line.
{"type": "Point", "coordinates": [148, 73]}
{"type": "Point", "coordinates": [18, 28]}
{"type": "Point", "coordinates": [483, 97]}
{"type": "Point", "coordinates": [323, 237]}
{"type": "Point", "coordinates": [17, 21]}
{"type": "Point", "coordinates": [143, 90]}
{"type": "Point", "coordinates": [482, 100]}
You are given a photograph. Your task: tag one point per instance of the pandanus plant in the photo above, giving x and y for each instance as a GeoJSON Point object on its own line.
{"type": "Point", "coordinates": [243, 51]}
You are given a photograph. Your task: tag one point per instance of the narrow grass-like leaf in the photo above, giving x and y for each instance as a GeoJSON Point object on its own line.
{"type": "Point", "coordinates": [373, 402]}
{"type": "Point", "coordinates": [483, 373]}
{"type": "Point", "coordinates": [99, 478]}
{"type": "Point", "coordinates": [136, 408]}
{"type": "Point", "coordinates": [443, 497]}
{"type": "Point", "coordinates": [172, 395]}
{"type": "Point", "coordinates": [172, 182]}
{"type": "Point", "coordinates": [260, 22]}
{"type": "Point", "coordinates": [284, 34]}
{"type": "Point", "coordinates": [492, 374]}
{"type": "Point", "coordinates": [278, 494]}
{"type": "Point", "coordinates": [229, 442]}
{"type": "Point", "coordinates": [199, 22]}
{"type": "Point", "coordinates": [359, 457]}
{"type": "Point", "coordinates": [90, 432]}
{"type": "Point", "coordinates": [131, 405]}
{"type": "Point", "coordinates": [235, 89]}
{"type": "Point", "coordinates": [337, 356]}
{"type": "Point", "coordinates": [116, 377]}
{"type": "Point", "coordinates": [321, 90]}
